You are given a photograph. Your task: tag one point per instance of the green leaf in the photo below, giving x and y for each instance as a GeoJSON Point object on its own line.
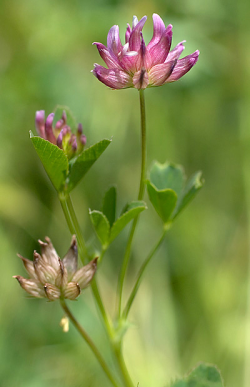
{"type": "Point", "coordinates": [205, 375]}
{"type": "Point", "coordinates": [164, 201]}
{"type": "Point", "coordinates": [194, 184]}
{"type": "Point", "coordinates": [81, 165]}
{"type": "Point", "coordinates": [70, 118]}
{"type": "Point", "coordinates": [54, 160]}
{"type": "Point", "coordinates": [101, 225]}
{"type": "Point", "coordinates": [133, 210]}
{"type": "Point", "coordinates": [164, 176]}
{"type": "Point", "coordinates": [109, 205]}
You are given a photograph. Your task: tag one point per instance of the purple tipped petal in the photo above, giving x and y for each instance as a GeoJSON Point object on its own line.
{"type": "Point", "coordinates": [159, 52]}
{"type": "Point", "coordinates": [114, 78]}
{"type": "Point", "coordinates": [79, 128]}
{"type": "Point", "coordinates": [127, 34]}
{"type": "Point", "coordinates": [49, 129]}
{"type": "Point", "coordinates": [159, 73]}
{"type": "Point", "coordinates": [113, 41]}
{"type": "Point", "coordinates": [108, 57]}
{"type": "Point", "coordinates": [176, 52]}
{"type": "Point", "coordinates": [135, 37]}
{"type": "Point", "coordinates": [159, 28]}
{"type": "Point", "coordinates": [83, 139]}
{"type": "Point", "coordinates": [73, 143]}
{"type": "Point", "coordinates": [40, 123]}
{"type": "Point", "coordinates": [183, 66]}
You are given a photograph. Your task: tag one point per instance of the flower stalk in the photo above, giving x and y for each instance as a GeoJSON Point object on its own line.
{"type": "Point", "coordinates": [140, 275]}
{"type": "Point", "coordinates": [91, 344]}
{"type": "Point", "coordinates": [140, 197]}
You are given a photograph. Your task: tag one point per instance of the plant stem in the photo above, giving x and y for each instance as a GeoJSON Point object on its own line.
{"type": "Point", "coordinates": [67, 214]}
{"type": "Point", "coordinates": [74, 228]}
{"type": "Point", "coordinates": [81, 243]}
{"type": "Point", "coordinates": [140, 274]}
{"type": "Point", "coordinates": [91, 344]}
{"type": "Point", "coordinates": [140, 197]}
{"type": "Point", "coordinates": [122, 366]}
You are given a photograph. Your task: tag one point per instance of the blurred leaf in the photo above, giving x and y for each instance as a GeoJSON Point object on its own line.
{"type": "Point", "coordinates": [164, 201]}
{"type": "Point", "coordinates": [133, 209]}
{"type": "Point", "coordinates": [194, 184]}
{"type": "Point", "coordinates": [205, 375]}
{"type": "Point", "coordinates": [70, 118]}
{"type": "Point", "coordinates": [167, 175]}
{"type": "Point", "coordinates": [109, 205]}
{"type": "Point", "coordinates": [80, 166]}
{"type": "Point", "coordinates": [101, 225]}
{"type": "Point", "coordinates": [54, 160]}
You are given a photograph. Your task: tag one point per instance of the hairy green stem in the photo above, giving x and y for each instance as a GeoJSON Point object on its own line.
{"type": "Point", "coordinates": [140, 274]}
{"type": "Point", "coordinates": [140, 197]}
{"type": "Point", "coordinates": [91, 344]}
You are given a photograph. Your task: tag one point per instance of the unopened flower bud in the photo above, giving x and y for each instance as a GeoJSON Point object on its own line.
{"type": "Point", "coordinates": [61, 134]}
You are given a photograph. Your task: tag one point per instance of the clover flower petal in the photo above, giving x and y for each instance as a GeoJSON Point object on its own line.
{"type": "Point", "coordinates": [134, 64]}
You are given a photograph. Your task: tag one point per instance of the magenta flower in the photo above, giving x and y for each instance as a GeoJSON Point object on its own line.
{"type": "Point", "coordinates": [60, 134]}
{"type": "Point", "coordinates": [140, 66]}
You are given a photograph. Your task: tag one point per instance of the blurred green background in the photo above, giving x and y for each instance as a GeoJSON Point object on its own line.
{"type": "Point", "coordinates": [192, 304]}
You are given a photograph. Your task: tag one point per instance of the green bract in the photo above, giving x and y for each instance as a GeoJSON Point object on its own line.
{"type": "Point", "coordinates": [168, 191]}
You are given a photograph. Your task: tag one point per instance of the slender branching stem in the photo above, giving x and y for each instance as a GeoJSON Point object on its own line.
{"type": "Point", "coordinates": [140, 275]}
{"type": "Point", "coordinates": [91, 344]}
{"type": "Point", "coordinates": [81, 243]}
{"type": "Point", "coordinates": [74, 228]}
{"type": "Point", "coordinates": [120, 359]}
{"type": "Point", "coordinates": [140, 197]}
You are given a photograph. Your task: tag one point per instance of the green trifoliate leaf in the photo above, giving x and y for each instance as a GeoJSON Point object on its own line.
{"type": "Point", "coordinates": [105, 232]}
{"type": "Point", "coordinates": [167, 191]}
{"type": "Point", "coordinates": [164, 176]}
{"type": "Point", "coordinates": [54, 160]}
{"type": "Point", "coordinates": [81, 164]}
{"type": "Point", "coordinates": [109, 205]}
{"type": "Point", "coordinates": [164, 201]}
{"type": "Point", "coordinates": [205, 375]}
{"type": "Point", "coordinates": [71, 121]}
{"type": "Point", "coordinates": [101, 226]}
{"type": "Point", "coordinates": [194, 184]}
{"type": "Point", "coordinates": [133, 210]}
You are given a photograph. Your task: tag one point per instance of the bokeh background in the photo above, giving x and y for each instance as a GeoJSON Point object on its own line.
{"type": "Point", "coordinates": [192, 305]}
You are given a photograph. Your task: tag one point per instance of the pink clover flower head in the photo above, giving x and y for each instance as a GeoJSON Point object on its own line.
{"type": "Point", "coordinates": [140, 66]}
{"type": "Point", "coordinates": [60, 134]}
{"type": "Point", "coordinates": [54, 278]}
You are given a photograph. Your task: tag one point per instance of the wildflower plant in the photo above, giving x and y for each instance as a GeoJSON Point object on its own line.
{"type": "Point", "coordinates": [61, 147]}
